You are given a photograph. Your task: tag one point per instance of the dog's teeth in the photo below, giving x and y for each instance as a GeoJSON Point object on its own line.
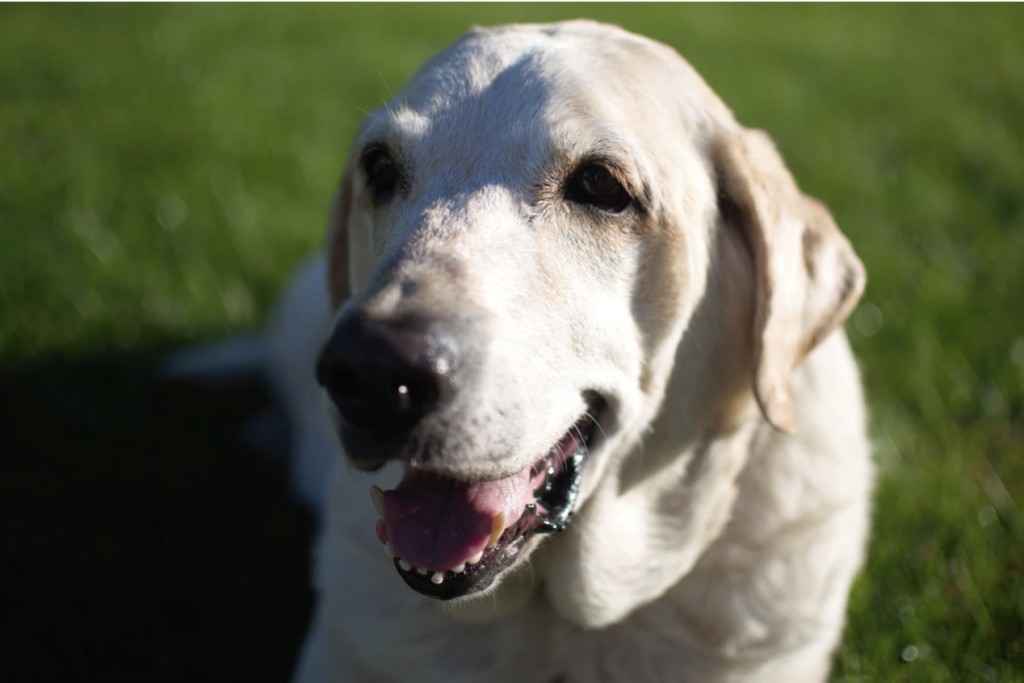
{"type": "Point", "coordinates": [404, 565]}
{"type": "Point", "coordinates": [421, 570]}
{"type": "Point", "coordinates": [378, 499]}
{"type": "Point", "coordinates": [437, 578]}
{"type": "Point", "coordinates": [497, 528]}
{"type": "Point", "coordinates": [476, 558]}
{"type": "Point", "coordinates": [459, 569]}
{"type": "Point", "coordinates": [391, 551]}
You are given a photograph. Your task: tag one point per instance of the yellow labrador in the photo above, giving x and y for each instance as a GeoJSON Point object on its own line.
{"type": "Point", "coordinates": [580, 345]}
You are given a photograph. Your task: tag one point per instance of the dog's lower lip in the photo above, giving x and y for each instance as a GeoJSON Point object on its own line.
{"type": "Point", "coordinates": [553, 503]}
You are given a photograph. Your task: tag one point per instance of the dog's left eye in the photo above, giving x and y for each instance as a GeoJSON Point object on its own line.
{"type": "Point", "coordinates": [595, 185]}
{"type": "Point", "coordinates": [381, 173]}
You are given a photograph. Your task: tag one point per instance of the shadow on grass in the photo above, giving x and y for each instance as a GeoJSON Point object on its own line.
{"type": "Point", "coordinates": [141, 538]}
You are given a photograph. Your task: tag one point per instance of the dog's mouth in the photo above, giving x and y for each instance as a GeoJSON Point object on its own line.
{"type": "Point", "coordinates": [451, 538]}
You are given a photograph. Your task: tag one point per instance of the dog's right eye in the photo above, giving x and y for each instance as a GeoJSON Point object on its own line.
{"type": "Point", "coordinates": [381, 173]}
{"type": "Point", "coordinates": [595, 185]}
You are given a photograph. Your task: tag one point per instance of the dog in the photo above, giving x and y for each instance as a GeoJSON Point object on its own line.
{"type": "Point", "coordinates": [577, 333]}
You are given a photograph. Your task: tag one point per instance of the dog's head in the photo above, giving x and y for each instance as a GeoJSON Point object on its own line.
{"type": "Point", "coordinates": [560, 269]}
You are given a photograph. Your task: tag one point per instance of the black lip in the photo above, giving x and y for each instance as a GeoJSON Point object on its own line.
{"type": "Point", "coordinates": [560, 494]}
{"type": "Point", "coordinates": [473, 579]}
{"type": "Point", "coordinates": [558, 497]}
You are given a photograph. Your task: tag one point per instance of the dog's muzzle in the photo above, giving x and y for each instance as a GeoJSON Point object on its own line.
{"type": "Point", "coordinates": [449, 537]}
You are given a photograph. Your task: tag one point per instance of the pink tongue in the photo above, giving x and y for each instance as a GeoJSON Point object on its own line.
{"type": "Point", "coordinates": [438, 523]}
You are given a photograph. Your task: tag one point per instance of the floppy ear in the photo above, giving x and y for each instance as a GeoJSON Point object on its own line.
{"type": "Point", "coordinates": [337, 248]}
{"type": "Point", "coordinates": [808, 278]}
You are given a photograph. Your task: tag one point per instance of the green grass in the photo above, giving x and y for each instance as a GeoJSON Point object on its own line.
{"type": "Point", "coordinates": [164, 167]}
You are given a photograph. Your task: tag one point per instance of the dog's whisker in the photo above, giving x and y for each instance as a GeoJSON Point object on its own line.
{"type": "Point", "coordinates": [582, 440]}
{"type": "Point", "coordinates": [597, 424]}
{"type": "Point", "coordinates": [384, 82]}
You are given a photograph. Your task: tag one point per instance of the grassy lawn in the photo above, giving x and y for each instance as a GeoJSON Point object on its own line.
{"type": "Point", "coordinates": [162, 168]}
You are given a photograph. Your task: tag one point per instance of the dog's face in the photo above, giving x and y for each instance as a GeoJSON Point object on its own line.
{"type": "Point", "coordinates": [541, 232]}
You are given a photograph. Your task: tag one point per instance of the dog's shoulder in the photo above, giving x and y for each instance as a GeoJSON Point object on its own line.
{"type": "Point", "coordinates": [797, 526]}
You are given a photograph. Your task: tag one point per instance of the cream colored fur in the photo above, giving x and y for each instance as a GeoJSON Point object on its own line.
{"type": "Point", "coordinates": [724, 517]}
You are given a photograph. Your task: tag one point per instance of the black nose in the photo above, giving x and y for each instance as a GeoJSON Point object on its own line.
{"type": "Point", "coordinates": [384, 377]}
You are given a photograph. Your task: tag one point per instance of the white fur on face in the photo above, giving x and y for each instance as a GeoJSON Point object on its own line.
{"type": "Point", "coordinates": [660, 310]}
{"type": "Point", "coordinates": [486, 137]}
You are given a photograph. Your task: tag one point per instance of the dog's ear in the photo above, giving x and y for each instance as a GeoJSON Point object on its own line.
{"type": "Point", "coordinates": [808, 278]}
{"type": "Point", "coordinates": [337, 247]}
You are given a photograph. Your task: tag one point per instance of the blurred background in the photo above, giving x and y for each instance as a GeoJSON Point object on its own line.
{"type": "Point", "coordinates": [163, 168]}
